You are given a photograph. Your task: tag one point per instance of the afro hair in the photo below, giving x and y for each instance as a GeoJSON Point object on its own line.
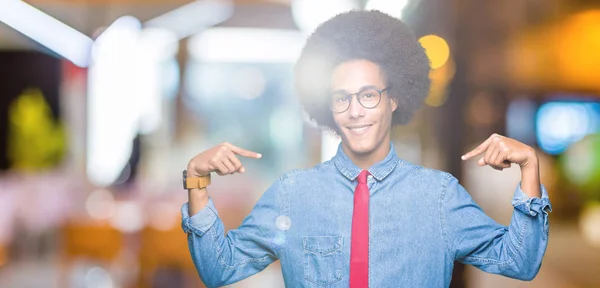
{"type": "Point", "coordinates": [365, 35]}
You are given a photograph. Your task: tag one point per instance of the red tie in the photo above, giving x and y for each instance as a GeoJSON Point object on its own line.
{"type": "Point", "coordinates": [359, 252]}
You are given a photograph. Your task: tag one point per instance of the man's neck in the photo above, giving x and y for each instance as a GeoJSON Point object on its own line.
{"type": "Point", "coordinates": [366, 160]}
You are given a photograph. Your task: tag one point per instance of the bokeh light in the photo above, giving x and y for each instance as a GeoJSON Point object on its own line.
{"type": "Point", "coordinates": [440, 79]}
{"type": "Point", "coordinates": [589, 223]}
{"type": "Point", "coordinates": [437, 50]}
{"type": "Point", "coordinates": [164, 216]}
{"type": "Point", "coordinates": [483, 110]}
{"type": "Point", "coordinates": [224, 44]}
{"type": "Point", "coordinates": [3, 256]}
{"type": "Point", "coordinates": [576, 47]}
{"type": "Point", "coordinates": [561, 55]}
{"type": "Point", "coordinates": [128, 217]}
{"type": "Point", "coordinates": [559, 124]}
{"type": "Point", "coordinates": [100, 204]}
{"type": "Point", "coordinates": [98, 277]}
{"type": "Point", "coordinates": [393, 8]}
{"type": "Point", "coordinates": [581, 165]}
{"type": "Point", "coordinates": [309, 14]}
{"type": "Point", "coordinates": [520, 120]}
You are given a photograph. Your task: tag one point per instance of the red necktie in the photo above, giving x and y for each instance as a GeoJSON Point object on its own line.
{"type": "Point", "coordinates": [359, 252]}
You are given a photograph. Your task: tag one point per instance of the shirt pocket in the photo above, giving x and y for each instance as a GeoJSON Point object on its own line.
{"type": "Point", "coordinates": [323, 259]}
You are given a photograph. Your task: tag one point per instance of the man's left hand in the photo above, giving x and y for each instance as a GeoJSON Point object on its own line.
{"type": "Point", "coordinates": [501, 151]}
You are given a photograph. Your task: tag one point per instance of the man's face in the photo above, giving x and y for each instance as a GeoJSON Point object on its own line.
{"type": "Point", "coordinates": [362, 129]}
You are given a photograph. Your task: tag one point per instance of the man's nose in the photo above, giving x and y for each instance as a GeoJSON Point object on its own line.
{"type": "Point", "coordinates": [356, 109]}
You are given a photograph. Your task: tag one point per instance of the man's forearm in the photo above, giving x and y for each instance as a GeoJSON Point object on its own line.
{"type": "Point", "coordinates": [530, 179]}
{"type": "Point", "coordinates": [198, 198]}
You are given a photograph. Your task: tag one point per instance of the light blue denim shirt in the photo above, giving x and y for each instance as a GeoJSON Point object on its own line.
{"type": "Point", "coordinates": [421, 220]}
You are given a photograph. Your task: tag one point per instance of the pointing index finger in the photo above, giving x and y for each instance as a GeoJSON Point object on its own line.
{"type": "Point", "coordinates": [480, 149]}
{"type": "Point", "coordinates": [243, 152]}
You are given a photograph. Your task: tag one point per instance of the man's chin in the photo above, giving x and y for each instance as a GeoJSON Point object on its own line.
{"type": "Point", "coordinates": [361, 148]}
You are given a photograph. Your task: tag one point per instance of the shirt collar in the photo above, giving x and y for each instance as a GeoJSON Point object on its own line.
{"type": "Point", "coordinates": [379, 170]}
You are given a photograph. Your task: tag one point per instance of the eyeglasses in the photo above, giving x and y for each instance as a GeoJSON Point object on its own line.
{"type": "Point", "coordinates": [368, 97]}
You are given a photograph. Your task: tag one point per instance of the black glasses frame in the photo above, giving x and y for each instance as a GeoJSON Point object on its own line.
{"type": "Point", "coordinates": [355, 95]}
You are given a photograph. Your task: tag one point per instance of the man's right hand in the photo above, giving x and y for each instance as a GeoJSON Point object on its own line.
{"type": "Point", "coordinates": [221, 159]}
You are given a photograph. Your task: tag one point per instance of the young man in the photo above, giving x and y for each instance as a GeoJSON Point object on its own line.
{"type": "Point", "coordinates": [365, 217]}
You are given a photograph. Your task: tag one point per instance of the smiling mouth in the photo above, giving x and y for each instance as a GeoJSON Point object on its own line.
{"type": "Point", "coordinates": [359, 129]}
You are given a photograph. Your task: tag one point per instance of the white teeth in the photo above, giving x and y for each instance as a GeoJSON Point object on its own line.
{"type": "Point", "coordinates": [361, 129]}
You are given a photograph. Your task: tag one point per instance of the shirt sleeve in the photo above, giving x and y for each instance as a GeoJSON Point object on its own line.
{"type": "Point", "coordinates": [474, 238]}
{"type": "Point", "coordinates": [202, 221]}
{"type": "Point", "coordinates": [224, 259]}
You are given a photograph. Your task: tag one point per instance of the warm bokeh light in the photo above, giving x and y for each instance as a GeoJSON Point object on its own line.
{"type": "Point", "coordinates": [442, 68]}
{"type": "Point", "coordinates": [440, 79]}
{"type": "Point", "coordinates": [562, 55]}
{"type": "Point", "coordinates": [164, 216]}
{"type": "Point", "coordinates": [2, 255]}
{"type": "Point", "coordinates": [549, 175]}
{"type": "Point", "coordinates": [482, 110]}
{"type": "Point", "coordinates": [590, 224]}
{"type": "Point", "coordinates": [437, 50]}
{"type": "Point", "coordinates": [576, 48]}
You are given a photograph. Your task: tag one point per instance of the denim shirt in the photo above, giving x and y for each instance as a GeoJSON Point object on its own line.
{"type": "Point", "coordinates": [420, 221]}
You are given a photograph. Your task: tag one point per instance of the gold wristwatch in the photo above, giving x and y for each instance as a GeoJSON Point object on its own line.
{"type": "Point", "coordinates": [195, 182]}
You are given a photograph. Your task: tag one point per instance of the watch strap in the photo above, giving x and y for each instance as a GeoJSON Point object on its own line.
{"type": "Point", "coordinates": [196, 182]}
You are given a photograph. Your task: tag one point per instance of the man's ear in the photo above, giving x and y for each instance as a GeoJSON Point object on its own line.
{"type": "Point", "coordinates": [394, 103]}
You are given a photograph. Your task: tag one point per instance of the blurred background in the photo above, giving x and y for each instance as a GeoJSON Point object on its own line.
{"type": "Point", "coordinates": [103, 103]}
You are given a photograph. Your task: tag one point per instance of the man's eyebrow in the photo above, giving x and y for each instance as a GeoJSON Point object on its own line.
{"type": "Point", "coordinates": [343, 91]}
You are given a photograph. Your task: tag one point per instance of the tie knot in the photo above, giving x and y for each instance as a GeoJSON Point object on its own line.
{"type": "Point", "coordinates": [362, 177]}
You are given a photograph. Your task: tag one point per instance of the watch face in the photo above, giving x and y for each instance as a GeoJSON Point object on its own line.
{"type": "Point", "coordinates": [184, 178]}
